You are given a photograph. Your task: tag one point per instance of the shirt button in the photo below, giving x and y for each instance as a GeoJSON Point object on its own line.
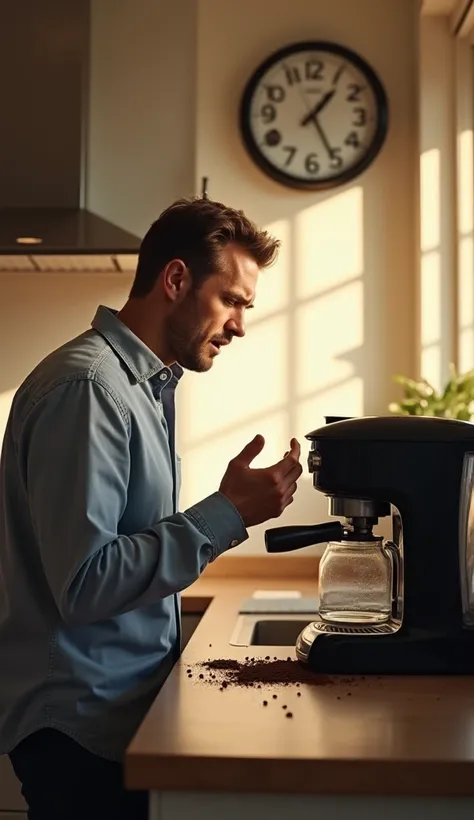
{"type": "Point", "coordinates": [163, 376]}
{"type": "Point", "coordinates": [234, 543]}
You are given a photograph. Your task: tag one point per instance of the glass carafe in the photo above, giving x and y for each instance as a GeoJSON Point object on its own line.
{"type": "Point", "coordinates": [357, 581]}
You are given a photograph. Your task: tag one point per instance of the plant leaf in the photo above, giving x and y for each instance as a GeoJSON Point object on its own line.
{"type": "Point", "coordinates": [456, 400]}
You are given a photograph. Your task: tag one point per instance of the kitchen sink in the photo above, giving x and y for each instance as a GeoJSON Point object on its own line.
{"type": "Point", "coordinates": [252, 630]}
{"type": "Point", "coordinates": [277, 633]}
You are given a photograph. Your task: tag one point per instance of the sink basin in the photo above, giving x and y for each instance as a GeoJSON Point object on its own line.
{"type": "Point", "coordinates": [277, 633]}
{"type": "Point", "coordinates": [252, 630]}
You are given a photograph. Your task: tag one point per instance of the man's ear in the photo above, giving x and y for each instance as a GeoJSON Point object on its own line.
{"type": "Point", "coordinates": [177, 280]}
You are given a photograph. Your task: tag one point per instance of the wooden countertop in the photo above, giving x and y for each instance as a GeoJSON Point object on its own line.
{"type": "Point", "coordinates": [411, 736]}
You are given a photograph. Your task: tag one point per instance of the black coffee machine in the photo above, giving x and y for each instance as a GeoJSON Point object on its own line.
{"type": "Point", "coordinates": [420, 471]}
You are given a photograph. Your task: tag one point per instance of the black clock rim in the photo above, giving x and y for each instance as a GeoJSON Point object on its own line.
{"type": "Point", "coordinates": [323, 183]}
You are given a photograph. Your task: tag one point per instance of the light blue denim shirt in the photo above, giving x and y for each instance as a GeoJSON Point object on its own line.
{"type": "Point", "coordinates": [93, 552]}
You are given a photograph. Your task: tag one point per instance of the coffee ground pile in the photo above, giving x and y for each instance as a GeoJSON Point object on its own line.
{"type": "Point", "coordinates": [258, 672]}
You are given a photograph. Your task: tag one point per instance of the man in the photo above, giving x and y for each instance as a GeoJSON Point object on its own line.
{"type": "Point", "coordinates": [93, 552]}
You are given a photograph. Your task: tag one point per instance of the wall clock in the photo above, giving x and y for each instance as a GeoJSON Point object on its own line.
{"type": "Point", "coordinates": [314, 115]}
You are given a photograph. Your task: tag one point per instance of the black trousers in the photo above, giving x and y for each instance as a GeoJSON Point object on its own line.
{"type": "Point", "coordinates": [62, 781]}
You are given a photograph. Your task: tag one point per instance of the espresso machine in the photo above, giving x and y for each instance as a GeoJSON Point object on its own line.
{"type": "Point", "coordinates": [404, 605]}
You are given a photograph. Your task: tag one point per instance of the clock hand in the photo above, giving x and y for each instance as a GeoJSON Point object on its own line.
{"type": "Point", "coordinates": [318, 107]}
{"type": "Point", "coordinates": [338, 74]}
{"type": "Point", "coordinates": [324, 139]}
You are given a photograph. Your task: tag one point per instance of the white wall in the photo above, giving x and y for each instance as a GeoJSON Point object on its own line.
{"type": "Point", "coordinates": [335, 320]}
{"type": "Point", "coordinates": [40, 312]}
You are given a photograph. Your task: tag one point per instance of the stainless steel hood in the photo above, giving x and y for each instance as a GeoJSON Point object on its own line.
{"type": "Point", "coordinates": [45, 224]}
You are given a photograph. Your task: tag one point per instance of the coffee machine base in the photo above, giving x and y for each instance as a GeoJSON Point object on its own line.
{"type": "Point", "coordinates": [413, 652]}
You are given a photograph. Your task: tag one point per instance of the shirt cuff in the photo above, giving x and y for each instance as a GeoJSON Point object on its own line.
{"type": "Point", "coordinates": [220, 521]}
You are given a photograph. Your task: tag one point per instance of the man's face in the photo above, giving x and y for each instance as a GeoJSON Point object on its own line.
{"type": "Point", "coordinates": [208, 318]}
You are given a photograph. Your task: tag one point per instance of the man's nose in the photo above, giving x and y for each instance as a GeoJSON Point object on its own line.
{"type": "Point", "coordinates": [236, 326]}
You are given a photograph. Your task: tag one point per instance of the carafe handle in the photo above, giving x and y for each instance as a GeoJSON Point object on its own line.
{"type": "Point", "coordinates": [391, 549]}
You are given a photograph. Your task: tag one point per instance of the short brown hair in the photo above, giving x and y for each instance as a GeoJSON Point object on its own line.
{"type": "Point", "coordinates": [195, 230]}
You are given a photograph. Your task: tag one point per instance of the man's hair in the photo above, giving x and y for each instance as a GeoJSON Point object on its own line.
{"type": "Point", "coordinates": [196, 230]}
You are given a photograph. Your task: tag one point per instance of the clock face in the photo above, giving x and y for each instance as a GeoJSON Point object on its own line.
{"type": "Point", "coordinates": [314, 115]}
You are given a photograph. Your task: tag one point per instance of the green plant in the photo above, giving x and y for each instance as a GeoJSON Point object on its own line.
{"type": "Point", "coordinates": [455, 401]}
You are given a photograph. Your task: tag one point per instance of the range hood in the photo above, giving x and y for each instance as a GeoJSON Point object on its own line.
{"type": "Point", "coordinates": [45, 224]}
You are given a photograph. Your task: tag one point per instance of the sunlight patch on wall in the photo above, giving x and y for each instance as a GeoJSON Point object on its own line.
{"type": "Point", "coordinates": [466, 182]}
{"type": "Point", "coordinates": [430, 204]}
{"type": "Point", "coordinates": [327, 329]}
{"type": "Point", "coordinates": [430, 274]}
{"type": "Point", "coordinates": [466, 251]}
{"type": "Point", "coordinates": [466, 303]}
{"type": "Point", "coordinates": [329, 243]}
{"type": "Point", "coordinates": [431, 363]}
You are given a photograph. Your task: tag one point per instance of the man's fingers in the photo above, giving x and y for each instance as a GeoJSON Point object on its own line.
{"type": "Point", "coordinates": [295, 450]}
{"type": "Point", "coordinates": [288, 461]}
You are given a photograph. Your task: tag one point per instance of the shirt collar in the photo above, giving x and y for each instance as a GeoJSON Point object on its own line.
{"type": "Point", "coordinates": [142, 363]}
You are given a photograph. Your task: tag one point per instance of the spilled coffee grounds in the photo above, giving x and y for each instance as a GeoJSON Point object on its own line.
{"type": "Point", "coordinates": [258, 671]}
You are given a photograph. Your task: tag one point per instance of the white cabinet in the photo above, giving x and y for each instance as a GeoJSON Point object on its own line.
{"type": "Point", "coordinates": [10, 793]}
